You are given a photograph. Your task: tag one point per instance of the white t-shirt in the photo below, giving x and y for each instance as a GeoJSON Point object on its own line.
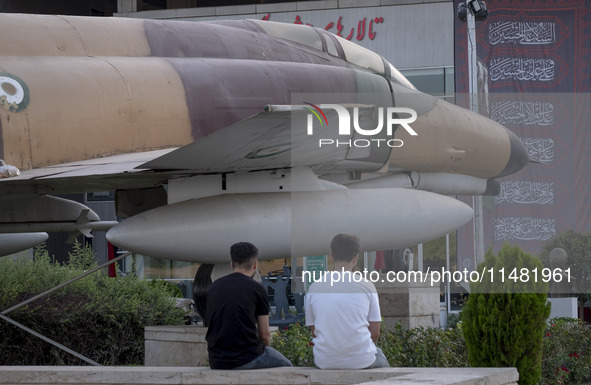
{"type": "Point", "coordinates": [340, 314]}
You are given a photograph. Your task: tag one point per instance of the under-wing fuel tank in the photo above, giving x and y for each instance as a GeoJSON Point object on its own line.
{"type": "Point", "coordinates": [285, 224]}
{"type": "Point", "coordinates": [15, 242]}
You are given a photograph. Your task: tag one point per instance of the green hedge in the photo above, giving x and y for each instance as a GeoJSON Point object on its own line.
{"type": "Point", "coordinates": [424, 347]}
{"type": "Point", "coordinates": [295, 343]}
{"type": "Point", "coordinates": [504, 319]}
{"type": "Point", "coordinates": [419, 347]}
{"type": "Point", "coordinates": [99, 317]}
{"type": "Point", "coordinates": [566, 357]}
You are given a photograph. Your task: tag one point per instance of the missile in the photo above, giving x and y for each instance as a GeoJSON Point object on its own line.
{"type": "Point", "coordinates": [289, 223]}
{"type": "Point", "coordinates": [13, 243]}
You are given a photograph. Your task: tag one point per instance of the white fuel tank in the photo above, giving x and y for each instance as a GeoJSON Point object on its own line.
{"type": "Point", "coordinates": [289, 223]}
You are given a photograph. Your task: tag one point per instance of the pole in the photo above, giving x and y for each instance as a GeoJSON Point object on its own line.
{"type": "Point", "coordinates": [447, 283]}
{"type": "Point", "coordinates": [420, 257]}
{"type": "Point", "coordinates": [473, 89]}
{"type": "Point", "coordinates": [87, 273]}
{"type": "Point", "coordinates": [49, 340]}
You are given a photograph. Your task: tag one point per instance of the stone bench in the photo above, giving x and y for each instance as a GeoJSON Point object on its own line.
{"type": "Point", "coordinates": [72, 375]}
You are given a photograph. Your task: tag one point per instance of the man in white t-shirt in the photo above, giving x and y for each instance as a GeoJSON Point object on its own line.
{"type": "Point", "coordinates": [344, 314]}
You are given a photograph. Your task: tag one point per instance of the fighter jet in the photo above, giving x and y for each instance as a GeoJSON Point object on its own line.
{"type": "Point", "coordinates": [222, 131]}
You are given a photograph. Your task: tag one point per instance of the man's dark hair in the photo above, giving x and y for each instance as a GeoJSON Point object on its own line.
{"type": "Point", "coordinates": [243, 254]}
{"type": "Point", "coordinates": [344, 247]}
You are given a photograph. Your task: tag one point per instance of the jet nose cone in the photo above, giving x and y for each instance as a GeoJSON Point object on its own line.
{"type": "Point", "coordinates": [519, 157]}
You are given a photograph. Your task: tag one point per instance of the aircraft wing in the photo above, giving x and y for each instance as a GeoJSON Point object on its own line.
{"type": "Point", "coordinates": [272, 139]}
{"type": "Point", "coordinates": [102, 174]}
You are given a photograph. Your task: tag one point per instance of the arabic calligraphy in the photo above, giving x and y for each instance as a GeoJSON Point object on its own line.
{"type": "Point", "coordinates": [521, 32]}
{"type": "Point", "coordinates": [524, 228]}
{"type": "Point", "coordinates": [521, 68]}
{"type": "Point", "coordinates": [364, 28]}
{"type": "Point", "coordinates": [526, 192]}
{"type": "Point", "coordinates": [540, 150]}
{"type": "Point", "coordinates": [522, 112]}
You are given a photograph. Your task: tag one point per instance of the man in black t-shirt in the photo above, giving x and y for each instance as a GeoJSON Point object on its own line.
{"type": "Point", "coordinates": [236, 304]}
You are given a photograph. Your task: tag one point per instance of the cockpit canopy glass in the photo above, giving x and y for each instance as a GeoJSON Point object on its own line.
{"type": "Point", "coordinates": [291, 32]}
{"type": "Point", "coordinates": [362, 57]}
{"type": "Point", "coordinates": [399, 78]}
{"type": "Point", "coordinates": [354, 54]}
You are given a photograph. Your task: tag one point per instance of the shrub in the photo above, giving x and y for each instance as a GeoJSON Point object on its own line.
{"type": "Point", "coordinates": [423, 347]}
{"type": "Point", "coordinates": [99, 317]}
{"type": "Point", "coordinates": [403, 347]}
{"type": "Point", "coordinates": [295, 343]}
{"type": "Point", "coordinates": [567, 352]}
{"type": "Point", "coordinates": [504, 318]}
{"type": "Point", "coordinates": [166, 287]}
{"type": "Point", "coordinates": [453, 319]}
{"type": "Point", "coordinates": [566, 349]}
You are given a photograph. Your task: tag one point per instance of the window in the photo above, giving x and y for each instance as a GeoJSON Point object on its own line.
{"type": "Point", "coordinates": [434, 81]}
{"type": "Point", "coordinates": [100, 196]}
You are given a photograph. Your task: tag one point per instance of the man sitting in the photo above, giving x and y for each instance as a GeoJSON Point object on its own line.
{"type": "Point", "coordinates": [344, 316]}
{"type": "Point", "coordinates": [236, 304]}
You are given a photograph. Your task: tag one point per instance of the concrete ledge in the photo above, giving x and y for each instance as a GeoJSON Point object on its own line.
{"type": "Point", "coordinates": [175, 346]}
{"type": "Point", "coordinates": [62, 375]}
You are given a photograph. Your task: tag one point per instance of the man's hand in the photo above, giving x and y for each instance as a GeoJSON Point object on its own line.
{"type": "Point", "coordinates": [264, 331]}
{"type": "Point", "coordinates": [374, 329]}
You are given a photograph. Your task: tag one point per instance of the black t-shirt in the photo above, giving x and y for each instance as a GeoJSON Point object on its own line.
{"type": "Point", "coordinates": [233, 304]}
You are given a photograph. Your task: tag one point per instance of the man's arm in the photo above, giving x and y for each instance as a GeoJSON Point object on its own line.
{"type": "Point", "coordinates": [374, 329]}
{"type": "Point", "coordinates": [264, 330]}
{"type": "Point", "coordinates": [312, 330]}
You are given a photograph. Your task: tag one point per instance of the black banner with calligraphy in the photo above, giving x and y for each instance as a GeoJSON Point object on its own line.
{"type": "Point", "coordinates": [537, 55]}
